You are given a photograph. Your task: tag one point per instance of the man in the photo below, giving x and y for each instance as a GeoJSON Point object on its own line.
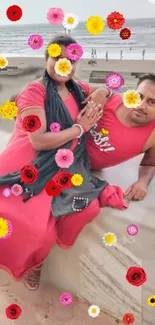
{"type": "Point", "coordinates": [124, 133]}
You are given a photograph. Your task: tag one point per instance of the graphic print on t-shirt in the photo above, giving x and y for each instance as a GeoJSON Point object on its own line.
{"type": "Point", "coordinates": [101, 139]}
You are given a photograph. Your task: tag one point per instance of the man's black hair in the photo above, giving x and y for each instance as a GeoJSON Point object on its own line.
{"type": "Point", "coordinates": [148, 76]}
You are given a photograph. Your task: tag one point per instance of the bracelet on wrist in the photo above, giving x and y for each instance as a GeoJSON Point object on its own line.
{"type": "Point", "coordinates": [81, 129]}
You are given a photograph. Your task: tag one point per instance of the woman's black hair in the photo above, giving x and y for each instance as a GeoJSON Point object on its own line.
{"type": "Point", "coordinates": [61, 39]}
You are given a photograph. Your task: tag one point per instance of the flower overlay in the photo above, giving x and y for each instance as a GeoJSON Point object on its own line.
{"type": "Point", "coordinates": [52, 188]}
{"type": "Point", "coordinates": [77, 179]}
{"type": "Point", "coordinates": [55, 16]}
{"type": "Point", "coordinates": [31, 123]}
{"type": "Point", "coordinates": [132, 230]}
{"type": "Point", "coordinates": [128, 318]}
{"type": "Point", "coordinates": [54, 50]}
{"type": "Point", "coordinates": [125, 33]}
{"type": "Point", "coordinates": [6, 192]}
{"type": "Point", "coordinates": [9, 110]}
{"type": "Point", "coordinates": [70, 21]}
{"type": "Point", "coordinates": [5, 228]}
{"type": "Point", "coordinates": [3, 62]}
{"type": "Point", "coordinates": [115, 20]}
{"type": "Point", "coordinates": [103, 132]}
{"type": "Point", "coordinates": [14, 13]}
{"type": "Point", "coordinates": [74, 52]}
{"type": "Point", "coordinates": [109, 239]}
{"type": "Point", "coordinates": [64, 158]}
{"type": "Point", "coordinates": [95, 25]}
{"type": "Point", "coordinates": [29, 174]}
{"type": "Point", "coordinates": [93, 311]}
{"type": "Point", "coordinates": [66, 298]}
{"type": "Point", "coordinates": [35, 41]}
{"type": "Point", "coordinates": [55, 127]}
{"type": "Point", "coordinates": [13, 311]}
{"type": "Point", "coordinates": [136, 276]}
{"type": "Point", "coordinates": [17, 189]}
{"type": "Point", "coordinates": [63, 67]}
{"type": "Point", "coordinates": [63, 179]}
{"type": "Point", "coordinates": [131, 99]}
{"type": "Point", "coordinates": [114, 81]}
{"type": "Point", "coordinates": [151, 301]}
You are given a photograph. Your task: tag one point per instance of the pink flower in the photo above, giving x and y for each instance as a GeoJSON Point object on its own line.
{"type": "Point", "coordinates": [114, 81]}
{"type": "Point", "coordinates": [74, 51]}
{"type": "Point", "coordinates": [55, 127]}
{"type": "Point", "coordinates": [17, 189]}
{"type": "Point", "coordinates": [10, 229]}
{"type": "Point", "coordinates": [66, 298]}
{"type": "Point", "coordinates": [132, 230]}
{"type": "Point", "coordinates": [35, 41]}
{"type": "Point", "coordinates": [55, 16]}
{"type": "Point", "coordinates": [64, 158]}
{"type": "Point", "coordinates": [6, 192]}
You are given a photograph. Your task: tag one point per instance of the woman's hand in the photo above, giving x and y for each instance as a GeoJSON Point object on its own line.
{"type": "Point", "coordinates": [90, 115]}
{"type": "Point", "coordinates": [99, 96]}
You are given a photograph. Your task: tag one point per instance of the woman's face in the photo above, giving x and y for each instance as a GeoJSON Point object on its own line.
{"type": "Point", "coordinates": [50, 65]}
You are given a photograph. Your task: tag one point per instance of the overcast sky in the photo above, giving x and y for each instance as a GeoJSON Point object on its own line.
{"type": "Point", "coordinates": [35, 11]}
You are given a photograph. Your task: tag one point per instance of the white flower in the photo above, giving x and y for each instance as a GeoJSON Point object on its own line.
{"type": "Point", "coordinates": [109, 239]}
{"type": "Point", "coordinates": [70, 21]}
{"type": "Point", "coordinates": [63, 67]}
{"type": "Point", "coordinates": [94, 311]}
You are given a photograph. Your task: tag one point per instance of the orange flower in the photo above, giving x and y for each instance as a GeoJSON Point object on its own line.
{"type": "Point", "coordinates": [115, 20]}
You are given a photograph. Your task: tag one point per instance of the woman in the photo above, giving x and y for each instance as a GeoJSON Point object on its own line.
{"type": "Point", "coordinates": [38, 219]}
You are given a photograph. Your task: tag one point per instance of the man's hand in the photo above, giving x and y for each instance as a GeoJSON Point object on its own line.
{"type": "Point", "coordinates": [99, 96]}
{"type": "Point", "coordinates": [136, 192]}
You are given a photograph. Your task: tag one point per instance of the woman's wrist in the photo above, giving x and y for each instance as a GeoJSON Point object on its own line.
{"type": "Point", "coordinates": [81, 129]}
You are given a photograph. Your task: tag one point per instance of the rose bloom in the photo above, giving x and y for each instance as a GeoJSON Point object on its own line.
{"type": "Point", "coordinates": [13, 311]}
{"type": "Point", "coordinates": [29, 174]}
{"type": "Point", "coordinates": [136, 276]}
{"type": "Point", "coordinates": [31, 123]}
{"type": "Point", "coordinates": [63, 179]}
{"type": "Point", "coordinates": [52, 188]}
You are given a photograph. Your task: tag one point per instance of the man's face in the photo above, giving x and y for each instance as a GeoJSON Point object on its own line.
{"type": "Point", "coordinates": [145, 112]}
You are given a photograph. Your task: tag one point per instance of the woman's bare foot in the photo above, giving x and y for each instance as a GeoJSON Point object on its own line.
{"type": "Point", "coordinates": [32, 278]}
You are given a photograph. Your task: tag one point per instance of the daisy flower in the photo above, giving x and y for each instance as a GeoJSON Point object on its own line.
{"type": "Point", "coordinates": [94, 311]}
{"type": "Point", "coordinates": [63, 67]}
{"type": "Point", "coordinates": [151, 301]}
{"type": "Point", "coordinates": [3, 62]}
{"type": "Point", "coordinates": [14, 13]}
{"type": "Point", "coordinates": [17, 189]}
{"type": "Point", "coordinates": [35, 41]}
{"type": "Point", "coordinates": [131, 99]}
{"type": "Point", "coordinates": [114, 81]}
{"type": "Point", "coordinates": [95, 25]}
{"type": "Point", "coordinates": [55, 127]}
{"type": "Point", "coordinates": [70, 21]}
{"type": "Point", "coordinates": [125, 33]}
{"type": "Point", "coordinates": [5, 228]}
{"type": "Point", "coordinates": [77, 179]}
{"type": "Point", "coordinates": [9, 110]}
{"type": "Point", "coordinates": [54, 50]}
{"type": "Point", "coordinates": [66, 298]}
{"type": "Point", "coordinates": [55, 16]}
{"type": "Point", "coordinates": [132, 230]}
{"type": "Point", "coordinates": [115, 20]}
{"type": "Point", "coordinates": [64, 158]}
{"type": "Point", "coordinates": [128, 318]}
{"type": "Point", "coordinates": [74, 51]}
{"type": "Point", "coordinates": [109, 239]}
{"type": "Point", "coordinates": [6, 192]}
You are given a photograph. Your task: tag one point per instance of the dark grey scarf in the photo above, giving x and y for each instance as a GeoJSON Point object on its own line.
{"type": "Point", "coordinates": [81, 196]}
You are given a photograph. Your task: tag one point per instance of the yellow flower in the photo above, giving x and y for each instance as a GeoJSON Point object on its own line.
{"type": "Point", "coordinates": [54, 50]}
{"type": "Point", "coordinates": [95, 25]}
{"type": "Point", "coordinates": [63, 67]}
{"type": "Point", "coordinates": [77, 179]}
{"type": "Point", "coordinates": [109, 239]}
{"type": "Point", "coordinates": [131, 99]}
{"type": "Point", "coordinates": [8, 110]}
{"type": "Point", "coordinates": [3, 227]}
{"type": "Point", "coordinates": [3, 62]}
{"type": "Point", "coordinates": [151, 301]}
{"type": "Point", "coordinates": [103, 132]}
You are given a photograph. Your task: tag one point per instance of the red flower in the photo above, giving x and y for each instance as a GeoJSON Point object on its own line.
{"type": "Point", "coordinates": [31, 123]}
{"type": "Point", "coordinates": [115, 20]}
{"type": "Point", "coordinates": [13, 311]}
{"type": "Point", "coordinates": [125, 33]}
{"type": "Point", "coordinates": [63, 179]}
{"type": "Point", "coordinates": [136, 276]}
{"type": "Point", "coordinates": [14, 13]}
{"type": "Point", "coordinates": [29, 174]}
{"type": "Point", "coordinates": [128, 318]}
{"type": "Point", "coordinates": [52, 188]}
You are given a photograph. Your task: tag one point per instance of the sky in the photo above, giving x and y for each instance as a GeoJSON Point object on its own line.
{"type": "Point", "coordinates": [35, 11]}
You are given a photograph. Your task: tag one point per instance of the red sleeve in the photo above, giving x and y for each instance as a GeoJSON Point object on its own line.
{"type": "Point", "coordinates": [85, 86]}
{"type": "Point", "coordinates": [33, 96]}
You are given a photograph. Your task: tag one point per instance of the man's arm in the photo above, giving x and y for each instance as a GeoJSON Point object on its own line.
{"type": "Point", "coordinates": [147, 166]}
